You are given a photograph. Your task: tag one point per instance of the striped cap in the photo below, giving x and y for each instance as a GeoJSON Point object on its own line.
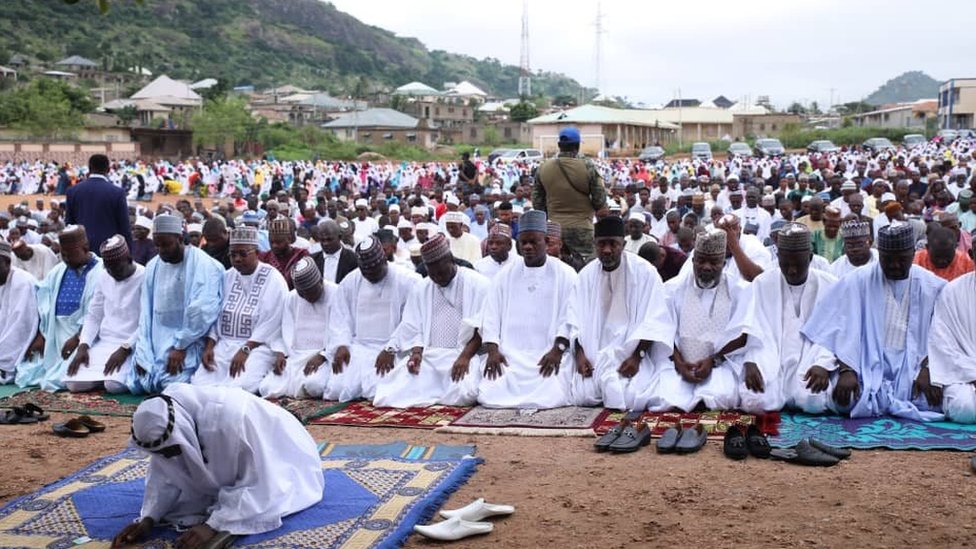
{"type": "Point", "coordinates": [435, 249]}
{"type": "Point", "coordinates": [306, 274]}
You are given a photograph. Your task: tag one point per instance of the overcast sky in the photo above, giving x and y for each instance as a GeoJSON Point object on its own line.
{"type": "Point", "coordinates": [789, 50]}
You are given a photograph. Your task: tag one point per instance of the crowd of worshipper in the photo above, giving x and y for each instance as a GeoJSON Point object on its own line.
{"type": "Point", "coordinates": [829, 283]}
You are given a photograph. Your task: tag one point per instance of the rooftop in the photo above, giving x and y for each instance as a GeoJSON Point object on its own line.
{"type": "Point", "coordinates": [374, 118]}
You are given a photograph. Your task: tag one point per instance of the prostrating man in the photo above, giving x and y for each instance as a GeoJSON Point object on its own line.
{"type": "Point", "coordinates": [667, 260]}
{"type": "Point", "coordinates": [882, 348]}
{"type": "Point", "coordinates": [702, 306]}
{"type": "Point", "coordinates": [335, 260]}
{"type": "Point", "coordinates": [18, 309]}
{"type": "Point", "coordinates": [220, 461]}
{"type": "Point", "coordinates": [857, 248]}
{"type": "Point", "coordinates": [619, 325]}
{"type": "Point", "coordinates": [636, 237]}
{"type": "Point", "coordinates": [216, 242]}
{"type": "Point", "coordinates": [941, 256]}
{"type": "Point", "coordinates": [238, 350]}
{"type": "Point", "coordinates": [180, 302]}
{"type": "Point", "coordinates": [527, 364]}
{"type": "Point", "coordinates": [104, 355]}
{"type": "Point", "coordinates": [499, 246]}
{"type": "Point", "coordinates": [62, 302]}
{"type": "Point", "coordinates": [304, 346]}
{"type": "Point", "coordinates": [440, 331]}
{"type": "Point", "coordinates": [35, 259]}
{"type": "Point", "coordinates": [952, 348]}
{"type": "Point", "coordinates": [282, 255]}
{"type": "Point", "coordinates": [463, 245]}
{"type": "Point", "coordinates": [371, 303]}
{"type": "Point", "coordinates": [779, 365]}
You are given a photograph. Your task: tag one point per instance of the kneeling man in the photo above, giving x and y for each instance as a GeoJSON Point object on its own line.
{"type": "Point", "coordinates": [952, 348]}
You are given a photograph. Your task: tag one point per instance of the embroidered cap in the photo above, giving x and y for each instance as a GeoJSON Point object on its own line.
{"type": "Point", "coordinates": [500, 229]}
{"type": "Point", "coordinates": [794, 237]}
{"type": "Point", "coordinates": [554, 230]}
{"type": "Point", "coordinates": [280, 226]}
{"type": "Point", "coordinates": [855, 229]}
{"type": "Point", "coordinates": [711, 242]}
{"type": "Point", "coordinates": [114, 249]}
{"type": "Point", "coordinates": [245, 236]}
{"type": "Point", "coordinates": [370, 252]}
{"type": "Point", "coordinates": [435, 249]}
{"type": "Point", "coordinates": [896, 237]}
{"type": "Point", "coordinates": [306, 274]}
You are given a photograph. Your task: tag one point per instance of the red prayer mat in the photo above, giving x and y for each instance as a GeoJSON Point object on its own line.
{"type": "Point", "coordinates": [363, 414]}
{"type": "Point", "coordinates": [715, 423]}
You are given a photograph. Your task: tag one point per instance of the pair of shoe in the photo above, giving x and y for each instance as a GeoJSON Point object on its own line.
{"type": "Point", "coordinates": [682, 441]}
{"type": "Point", "coordinates": [738, 445]}
{"type": "Point", "coordinates": [79, 427]}
{"type": "Point", "coordinates": [628, 436]}
{"type": "Point", "coordinates": [813, 453]}
{"type": "Point", "coordinates": [465, 522]}
{"type": "Point", "coordinates": [23, 415]}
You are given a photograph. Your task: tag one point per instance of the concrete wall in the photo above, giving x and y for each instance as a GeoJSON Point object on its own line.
{"type": "Point", "coordinates": [74, 153]}
{"type": "Point", "coordinates": [767, 125]}
{"type": "Point", "coordinates": [424, 138]}
{"type": "Point", "coordinates": [957, 103]}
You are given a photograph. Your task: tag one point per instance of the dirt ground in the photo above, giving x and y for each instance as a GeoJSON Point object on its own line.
{"type": "Point", "coordinates": [567, 496]}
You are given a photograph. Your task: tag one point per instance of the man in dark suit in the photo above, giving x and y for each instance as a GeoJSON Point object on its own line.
{"type": "Point", "coordinates": [99, 205]}
{"type": "Point", "coordinates": [333, 260]}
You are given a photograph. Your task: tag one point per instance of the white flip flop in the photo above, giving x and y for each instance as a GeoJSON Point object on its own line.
{"type": "Point", "coordinates": [453, 529]}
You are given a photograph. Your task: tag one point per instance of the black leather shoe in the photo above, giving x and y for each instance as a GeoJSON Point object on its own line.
{"type": "Point", "coordinates": [632, 439]}
{"type": "Point", "coordinates": [757, 443]}
{"type": "Point", "coordinates": [734, 445]}
{"type": "Point", "coordinates": [667, 442]}
{"type": "Point", "coordinates": [839, 453]}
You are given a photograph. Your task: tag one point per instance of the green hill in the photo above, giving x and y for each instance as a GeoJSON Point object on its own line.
{"type": "Point", "coordinates": [911, 86]}
{"type": "Point", "coordinates": [264, 43]}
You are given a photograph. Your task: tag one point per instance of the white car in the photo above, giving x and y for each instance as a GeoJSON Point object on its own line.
{"type": "Point", "coordinates": [520, 155]}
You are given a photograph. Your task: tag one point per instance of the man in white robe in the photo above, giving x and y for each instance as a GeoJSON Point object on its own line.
{"type": "Point", "coordinates": [702, 305]}
{"type": "Point", "coordinates": [463, 245]}
{"type": "Point", "coordinates": [952, 348]}
{"type": "Point", "coordinates": [636, 237]}
{"type": "Point", "coordinates": [876, 324]}
{"type": "Point", "coordinates": [527, 364]}
{"type": "Point", "coordinates": [499, 246]}
{"type": "Point", "coordinates": [745, 258]}
{"type": "Point", "coordinates": [220, 461]}
{"type": "Point", "coordinates": [370, 304]}
{"type": "Point", "coordinates": [239, 349]}
{"type": "Point", "coordinates": [35, 259]}
{"type": "Point", "coordinates": [18, 309]}
{"type": "Point", "coordinates": [180, 302]}
{"type": "Point", "coordinates": [618, 323]}
{"type": "Point", "coordinates": [62, 302]}
{"type": "Point", "coordinates": [779, 366]}
{"type": "Point", "coordinates": [304, 345]}
{"type": "Point", "coordinates": [751, 213]}
{"type": "Point", "coordinates": [440, 331]}
{"type": "Point", "coordinates": [857, 248]}
{"type": "Point", "coordinates": [104, 355]}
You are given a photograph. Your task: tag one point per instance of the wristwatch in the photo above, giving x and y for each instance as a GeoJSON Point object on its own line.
{"type": "Point", "coordinates": [642, 353]}
{"type": "Point", "coordinates": [126, 347]}
{"type": "Point", "coordinates": [389, 350]}
{"type": "Point", "coordinates": [562, 347]}
{"type": "Point", "coordinates": [245, 349]}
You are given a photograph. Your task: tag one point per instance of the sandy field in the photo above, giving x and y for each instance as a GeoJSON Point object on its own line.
{"type": "Point", "coordinates": [568, 496]}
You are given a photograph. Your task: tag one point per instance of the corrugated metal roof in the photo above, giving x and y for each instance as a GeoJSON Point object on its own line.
{"type": "Point", "coordinates": [166, 91]}
{"type": "Point", "coordinates": [416, 88]}
{"type": "Point", "coordinates": [77, 60]}
{"type": "Point", "coordinates": [374, 118]}
{"type": "Point", "coordinates": [595, 114]}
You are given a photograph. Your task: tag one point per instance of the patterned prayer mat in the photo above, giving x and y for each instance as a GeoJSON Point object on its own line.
{"type": "Point", "coordinates": [374, 495]}
{"type": "Point", "coordinates": [567, 421]}
{"type": "Point", "coordinates": [77, 403]}
{"type": "Point", "coordinates": [883, 432]}
{"type": "Point", "coordinates": [308, 409]}
{"type": "Point", "coordinates": [363, 414]}
{"type": "Point", "coordinates": [715, 423]}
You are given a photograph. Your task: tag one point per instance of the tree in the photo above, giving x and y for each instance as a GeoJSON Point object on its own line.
{"type": "Point", "coordinates": [127, 114]}
{"type": "Point", "coordinates": [492, 138]}
{"type": "Point", "coordinates": [815, 108]}
{"type": "Point", "coordinates": [523, 111]}
{"type": "Point", "coordinates": [46, 108]}
{"type": "Point", "coordinates": [796, 108]}
{"type": "Point", "coordinates": [564, 101]}
{"type": "Point", "coordinates": [103, 5]}
{"type": "Point", "coordinates": [217, 91]}
{"type": "Point", "coordinates": [222, 120]}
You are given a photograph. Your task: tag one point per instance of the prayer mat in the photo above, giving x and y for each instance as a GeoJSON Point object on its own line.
{"type": "Point", "coordinates": [374, 495]}
{"type": "Point", "coordinates": [569, 421]}
{"type": "Point", "coordinates": [75, 403]}
{"type": "Point", "coordinates": [880, 432]}
{"type": "Point", "coordinates": [716, 423]}
{"type": "Point", "coordinates": [9, 390]}
{"type": "Point", "coordinates": [363, 414]}
{"type": "Point", "coordinates": [307, 409]}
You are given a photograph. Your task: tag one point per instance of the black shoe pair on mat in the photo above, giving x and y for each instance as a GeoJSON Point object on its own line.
{"type": "Point", "coordinates": [629, 435]}
{"type": "Point", "coordinates": [813, 453]}
{"type": "Point", "coordinates": [740, 445]}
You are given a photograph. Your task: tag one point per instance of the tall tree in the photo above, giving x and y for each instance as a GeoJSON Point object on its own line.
{"type": "Point", "coordinates": [222, 121]}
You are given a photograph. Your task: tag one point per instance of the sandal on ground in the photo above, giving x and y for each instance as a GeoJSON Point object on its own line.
{"type": "Point", "coordinates": [16, 416]}
{"type": "Point", "coordinates": [72, 428]}
{"type": "Point", "coordinates": [93, 426]}
{"type": "Point", "coordinates": [36, 411]}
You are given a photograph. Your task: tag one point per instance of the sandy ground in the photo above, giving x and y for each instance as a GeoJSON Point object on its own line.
{"type": "Point", "coordinates": [567, 496]}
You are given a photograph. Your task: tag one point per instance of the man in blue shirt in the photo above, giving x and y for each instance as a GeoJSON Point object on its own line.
{"type": "Point", "coordinates": [99, 205]}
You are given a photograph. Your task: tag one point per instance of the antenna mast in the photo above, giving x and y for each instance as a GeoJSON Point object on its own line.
{"type": "Point", "coordinates": [525, 74]}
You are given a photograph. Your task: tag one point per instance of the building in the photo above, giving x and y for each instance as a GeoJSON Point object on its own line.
{"type": "Point", "coordinates": [381, 126]}
{"type": "Point", "coordinates": [84, 68]}
{"type": "Point", "coordinates": [162, 98]}
{"type": "Point", "coordinates": [699, 123]}
{"type": "Point", "coordinates": [478, 133]}
{"type": "Point", "coordinates": [899, 115]}
{"type": "Point", "coordinates": [682, 103]}
{"type": "Point", "coordinates": [957, 104]}
{"type": "Point", "coordinates": [748, 125]}
{"type": "Point", "coordinates": [604, 130]}
{"type": "Point", "coordinates": [722, 102]}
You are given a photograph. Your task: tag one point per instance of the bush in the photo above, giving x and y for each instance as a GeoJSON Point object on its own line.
{"type": "Point", "coordinates": [795, 138]}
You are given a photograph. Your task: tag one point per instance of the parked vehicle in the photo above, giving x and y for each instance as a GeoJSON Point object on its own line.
{"type": "Point", "coordinates": [495, 154]}
{"type": "Point", "coordinates": [913, 140]}
{"type": "Point", "coordinates": [878, 144]}
{"type": "Point", "coordinates": [822, 146]}
{"type": "Point", "coordinates": [769, 147]}
{"type": "Point", "coordinates": [651, 154]}
{"type": "Point", "coordinates": [948, 135]}
{"type": "Point", "coordinates": [521, 155]}
{"type": "Point", "coordinates": [701, 151]}
{"type": "Point", "coordinates": [740, 150]}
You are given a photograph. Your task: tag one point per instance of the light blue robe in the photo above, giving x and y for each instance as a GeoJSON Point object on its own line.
{"type": "Point", "coordinates": [851, 324]}
{"type": "Point", "coordinates": [203, 287]}
{"type": "Point", "coordinates": [48, 370]}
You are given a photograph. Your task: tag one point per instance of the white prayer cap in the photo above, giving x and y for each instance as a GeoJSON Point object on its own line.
{"type": "Point", "coordinates": [886, 197]}
{"type": "Point", "coordinates": [394, 208]}
{"type": "Point", "coordinates": [167, 224]}
{"type": "Point", "coordinates": [637, 217]}
{"type": "Point", "coordinates": [144, 222]}
{"type": "Point", "coordinates": [361, 203]}
{"type": "Point", "coordinates": [390, 228]}
{"type": "Point", "coordinates": [194, 228]}
{"type": "Point", "coordinates": [454, 217]}
{"type": "Point", "coordinates": [418, 210]}
{"type": "Point", "coordinates": [518, 209]}
{"type": "Point", "coordinates": [404, 224]}
{"type": "Point", "coordinates": [451, 199]}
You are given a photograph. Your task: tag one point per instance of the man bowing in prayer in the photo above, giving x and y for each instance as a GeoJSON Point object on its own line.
{"type": "Point", "coordinates": [222, 463]}
{"type": "Point", "coordinates": [882, 348]}
{"type": "Point", "coordinates": [104, 356]}
{"type": "Point", "coordinates": [18, 308]}
{"type": "Point", "coordinates": [304, 345]}
{"type": "Point", "coordinates": [527, 364]}
{"type": "Point", "coordinates": [238, 350]}
{"type": "Point", "coordinates": [780, 366]}
{"type": "Point", "coordinates": [180, 302]}
{"type": "Point", "coordinates": [62, 302]}
{"type": "Point", "coordinates": [440, 331]}
{"type": "Point", "coordinates": [702, 305]}
{"type": "Point", "coordinates": [619, 324]}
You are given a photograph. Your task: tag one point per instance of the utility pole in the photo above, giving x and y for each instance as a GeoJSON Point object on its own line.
{"type": "Point", "coordinates": [525, 74]}
{"type": "Point", "coordinates": [599, 39]}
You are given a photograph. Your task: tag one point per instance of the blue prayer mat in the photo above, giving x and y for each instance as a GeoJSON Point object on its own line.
{"type": "Point", "coordinates": [880, 432]}
{"type": "Point", "coordinates": [374, 495]}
